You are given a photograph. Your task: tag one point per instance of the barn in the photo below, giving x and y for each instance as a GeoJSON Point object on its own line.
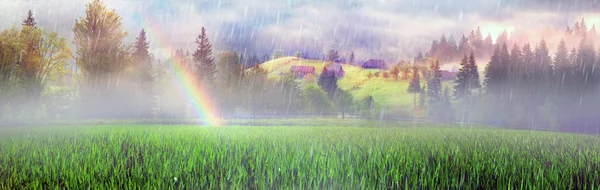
{"type": "Point", "coordinates": [375, 64]}
{"type": "Point", "coordinates": [302, 71]}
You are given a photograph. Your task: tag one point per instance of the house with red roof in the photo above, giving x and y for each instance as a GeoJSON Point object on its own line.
{"type": "Point", "coordinates": [302, 71]}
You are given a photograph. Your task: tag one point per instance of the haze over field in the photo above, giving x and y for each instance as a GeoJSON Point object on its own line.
{"type": "Point", "coordinates": [388, 29]}
{"type": "Point", "coordinates": [299, 94]}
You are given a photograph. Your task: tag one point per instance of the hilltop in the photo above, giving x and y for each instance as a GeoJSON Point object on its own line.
{"type": "Point", "coordinates": [390, 94]}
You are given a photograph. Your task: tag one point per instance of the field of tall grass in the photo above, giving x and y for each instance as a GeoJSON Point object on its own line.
{"type": "Point", "coordinates": [330, 156]}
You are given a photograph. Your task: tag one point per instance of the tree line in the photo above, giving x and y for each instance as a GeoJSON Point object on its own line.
{"type": "Point", "coordinates": [520, 86]}
{"type": "Point", "coordinates": [111, 79]}
{"type": "Point", "coordinates": [523, 86]}
{"type": "Point", "coordinates": [447, 49]}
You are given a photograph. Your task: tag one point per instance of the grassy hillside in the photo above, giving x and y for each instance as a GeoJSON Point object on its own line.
{"type": "Point", "coordinates": [389, 93]}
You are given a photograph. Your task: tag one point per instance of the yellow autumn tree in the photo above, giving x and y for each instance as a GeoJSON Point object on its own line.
{"type": "Point", "coordinates": [101, 56]}
{"type": "Point", "coordinates": [30, 58]}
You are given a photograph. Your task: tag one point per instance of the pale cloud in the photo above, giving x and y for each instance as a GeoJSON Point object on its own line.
{"type": "Point", "coordinates": [392, 29]}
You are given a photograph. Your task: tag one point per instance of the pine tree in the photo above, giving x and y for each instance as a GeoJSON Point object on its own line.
{"type": "Point", "coordinates": [332, 55]}
{"type": "Point", "coordinates": [328, 82]}
{"type": "Point", "coordinates": [29, 21]}
{"type": "Point", "coordinates": [206, 69]}
{"type": "Point", "coordinates": [447, 111]}
{"type": "Point", "coordinates": [352, 59]}
{"type": "Point", "coordinates": [573, 56]}
{"type": "Point", "coordinates": [278, 53]}
{"type": "Point", "coordinates": [562, 65]}
{"type": "Point", "coordinates": [496, 71]}
{"type": "Point", "coordinates": [593, 33]}
{"type": "Point", "coordinates": [582, 28]}
{"type": "Point", "coordinates": [414, 87]}
{"type": "Point", "coordinates": [144, 79]}
{"type": "Point", "coordinates": [543, 61]}
{"type": "Point", "coordinates": [434, 84]}
{"type": "Point", "coordinates": [474, 73]}
{"type": "Point", "coordinates": [578, 104]}
{"type": "Point", "coordinates": [436, 104]}
{"type": "Point", "coordinates": [442, 52]}
{"type": "Point", "coordinates": [452, 47]}
{"type": "Point", "coordinates": [418, 58]}
{"type": "Point", "coordinates": [462, 86]}
{"type": "Point", "coordinates": [422, 97]}
{"type": "Point", "coordinates": [515, 71]}
{"type": "Point", "coordinates": [568, 31]}
{"type": "Point", "coordinates": [435, 47]}
{"type": "Point", "coordinates": [502, 38]}
{"type": "Point", "coordinates": [488, 44]}
{"type": "Point", "coordinates": [516, 59]}
{"type": "Point", "coordinates": [463, 46]}
{"type": "Point", "coordinates": [298, 54]}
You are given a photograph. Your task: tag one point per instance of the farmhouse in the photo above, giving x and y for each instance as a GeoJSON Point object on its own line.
{"type": "Point", "coordinates": [375, 64]}
{"type": "Point", "coordinates": [302, 71]}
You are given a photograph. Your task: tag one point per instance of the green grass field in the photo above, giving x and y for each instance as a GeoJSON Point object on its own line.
{"type": "Point", "coordinates": [332, 155]}
{"type": "Point", "coordinates": [390, 93]}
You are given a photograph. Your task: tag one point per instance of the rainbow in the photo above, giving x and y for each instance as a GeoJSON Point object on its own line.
{"type": "Point", "coordinates": [202, 105]}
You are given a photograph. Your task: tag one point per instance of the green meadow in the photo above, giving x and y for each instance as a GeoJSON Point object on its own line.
{"type": "Point", "coordinates": [325, 154]}
{"type": "Point", "coordinates": [389, 93]}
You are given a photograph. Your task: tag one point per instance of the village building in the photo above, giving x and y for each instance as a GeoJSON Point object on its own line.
{"type": "Point", "coordinates": [375, 64]}
{"type": "Point", "coordinates": [302, 71]}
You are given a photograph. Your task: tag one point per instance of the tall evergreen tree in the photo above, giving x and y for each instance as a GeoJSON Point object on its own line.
{"type": "Point", "coordinates": [488, 44]}
{"type": "Point", "coordinates": [434, 84]}
{"type": "Point", "coordinates": [496, 76]}
{"type": "Point", "coordinates": [578, 106]}
{"type": "Point", "coordinates": [332, 55]}
{"type": "Point", "coordinates": [462, 86]}
{"type": "Point", "coordinates": [573, 56]}
{"type": "Point", "coordinates": [515, 74]}
{"type": "Point", "coordinates": [593, 33]}
{"type": "Point", "coordinates": [230, 72]}
{"type": "Point", "coordinates": [414, 87]}
{"type": "Point", "coordinates": [143, 70]}
{"type": "Point", "coordinates": [502, 38]}
{"type": "Point", "coordinates": [422, 97]}
{"type": "Point", "coordinates": [452, 47]}
{"type": "Point", "coordinates": [352, 59]}
{"type": "Point", "coordinates": [436, 105]}
{"type": "Point", "coordinates": [562, 65]}
{"type": "Point", "coordinates": [418, 58]}
{"type": "Point", "coordinates": [442, 52]}
{"type": "Point", "coordinates": [474, 73]}
{"type": "Point", "coordinates": [29, 21]}
{"type": "Point", "coordinates": [435, 47]}
{"type": "Point", "coordinates": [463, 46]}
{"type": "Point", "coordinates": [446, 109]}
{"type": "Point", "coordinates": [496, 71]}
{"type": "Point", "coordinates": [206, 69]}
{"type": "Point", "coordinates": [543, 61]}
{"type": "Point", "coordinates": [328, 82]}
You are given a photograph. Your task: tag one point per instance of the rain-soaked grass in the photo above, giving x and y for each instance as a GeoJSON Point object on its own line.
{"type": "Point", "coordinates": [302, 157]}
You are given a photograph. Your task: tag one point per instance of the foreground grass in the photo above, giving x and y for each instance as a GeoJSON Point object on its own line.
{"type": "Point", "coordinates": [190, 157]}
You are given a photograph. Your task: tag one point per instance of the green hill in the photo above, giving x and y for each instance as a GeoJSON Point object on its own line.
{"type": "Point", "coordinates": [389, 93]}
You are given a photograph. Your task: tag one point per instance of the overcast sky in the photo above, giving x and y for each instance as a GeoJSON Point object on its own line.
{"type": "Point", "coordinates": [393, 29]}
